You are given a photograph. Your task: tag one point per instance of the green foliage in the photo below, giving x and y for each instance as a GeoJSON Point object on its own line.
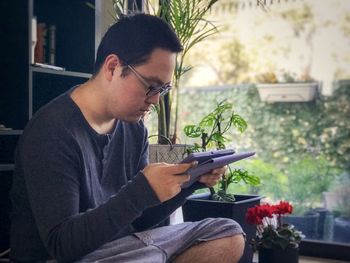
{"type": "Point", "coordinates": [119, 7]}
{"type": "Point", "coordinates": [234, 176]}
{"type": "Point", "coordinates": [211, 130]}
{"type": "Point", "coordinates": [283, 237]}
{"type": "Point", "coordinates": [308, 178]}
{"type": "Point", "coordinates": [274, 182]}
{"type": "Point", "coordinates": [286, 131]}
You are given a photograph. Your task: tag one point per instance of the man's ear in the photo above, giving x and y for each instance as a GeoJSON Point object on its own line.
{"type": "Point", "coordinates": [109, 67]}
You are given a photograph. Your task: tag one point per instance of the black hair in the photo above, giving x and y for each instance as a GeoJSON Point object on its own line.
{"type": "Point", "coordinates": [134, 37]}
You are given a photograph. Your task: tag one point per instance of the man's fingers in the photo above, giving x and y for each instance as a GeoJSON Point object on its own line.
{"type": "Point", "coordinates": [210, 177]}
{"type": "Point", "coordinates": [159, 164]}
{"type": "Point", "coordinates": [179, 169]}
{"type": "Point", "coordinates": [183, 178]}
{"type": "Point", "coordinates": [210, 180]}
{"type": "Point", "coordinates": [221, 170]}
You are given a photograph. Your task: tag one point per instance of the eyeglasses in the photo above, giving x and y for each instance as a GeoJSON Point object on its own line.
{"type": "Point", "coordinates": [162, 90]}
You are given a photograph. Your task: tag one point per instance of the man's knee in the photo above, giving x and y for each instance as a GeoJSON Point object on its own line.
{"type": "Point", "coordinates": [227, 250]}
{"type": "Point", "coordinates": [233, 247]}
{"type": "Point", "coordinates": [238, 243]}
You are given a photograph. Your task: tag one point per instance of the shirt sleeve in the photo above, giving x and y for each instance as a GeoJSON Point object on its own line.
{"type": "Point", "coordinates": [156, 215]}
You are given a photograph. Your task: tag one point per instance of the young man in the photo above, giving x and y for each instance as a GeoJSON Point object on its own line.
{"type": "Point", "coordinates": [82, 188]}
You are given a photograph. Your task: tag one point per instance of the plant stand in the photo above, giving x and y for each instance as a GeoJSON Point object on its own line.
{"type": "Point", "coordinates": [198, 207]}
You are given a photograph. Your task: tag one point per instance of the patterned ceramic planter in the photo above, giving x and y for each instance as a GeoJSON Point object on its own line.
{"type": "Point", "coordinates": [167, 153]}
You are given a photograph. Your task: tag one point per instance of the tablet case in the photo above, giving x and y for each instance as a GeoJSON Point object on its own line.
{"type": "Point", "coordinates": [210, 163]}
{"type": "Point", "coordinates": [204, 156]}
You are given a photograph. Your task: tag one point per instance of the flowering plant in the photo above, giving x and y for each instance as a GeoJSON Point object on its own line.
{"type": "Point", "coordinates": [271, 231]}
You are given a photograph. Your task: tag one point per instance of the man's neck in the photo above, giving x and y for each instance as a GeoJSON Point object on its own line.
{"type": "Point", "coordinates": [91, 103]}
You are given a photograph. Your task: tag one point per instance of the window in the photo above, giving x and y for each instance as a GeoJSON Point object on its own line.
{"type": "Point", "coordinates": [302, 148]}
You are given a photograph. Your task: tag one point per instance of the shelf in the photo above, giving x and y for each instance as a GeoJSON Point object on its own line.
{"type": "Point", "coordinates": [60, 72]}
{"type": "Point", "coordinates": [7, 167]}
{"type": "Point", "coordinates": [11, 132]}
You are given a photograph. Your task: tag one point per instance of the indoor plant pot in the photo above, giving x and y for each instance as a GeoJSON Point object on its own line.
{"type": "Point", "coordinates": [325, 224]}
{"type": "Point", "coordinates": [341, 229]}
{"type": "Point", "coordinates": [198, 207]}
{"type": "Point", "coordinates": [278, 255]}
{"type": "Point", "coordinates": [307, 224]}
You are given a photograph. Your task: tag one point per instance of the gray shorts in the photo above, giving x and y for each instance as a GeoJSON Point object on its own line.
{"type": "Point", "coordinates": [163, 244]}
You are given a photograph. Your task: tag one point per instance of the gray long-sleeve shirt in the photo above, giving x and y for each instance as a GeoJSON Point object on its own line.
{"type": "Point", "coordinates": [74, 189]}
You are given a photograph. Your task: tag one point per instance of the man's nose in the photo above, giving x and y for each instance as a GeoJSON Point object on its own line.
{"type": "Point", "coordinates": [153, 99]}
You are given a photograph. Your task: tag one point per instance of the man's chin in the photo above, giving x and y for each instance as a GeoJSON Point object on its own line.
{"type": "Point", "coordinates": [132, 119]}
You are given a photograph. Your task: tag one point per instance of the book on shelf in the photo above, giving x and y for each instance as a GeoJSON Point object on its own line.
{"type": "Point", "coordinates": [51, 47]}
{"type": "Point", "coordinates": [45, 48]}
{"type": "Point", "coordinates": [34, 39]}
{"type": "Point", "coordinates": [39, 50]}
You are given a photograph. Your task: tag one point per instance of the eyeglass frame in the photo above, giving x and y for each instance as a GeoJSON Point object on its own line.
{"type": "Point", "coordinates": [162, 90]}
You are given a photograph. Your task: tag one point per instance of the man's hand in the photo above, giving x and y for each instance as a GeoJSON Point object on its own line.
{"type": "Point", "coordinates": [166, 179]}
{"type": "Point", "coordinates": [214, 177]}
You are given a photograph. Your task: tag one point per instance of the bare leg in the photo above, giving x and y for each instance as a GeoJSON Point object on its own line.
{"type": "Point", "coordinates": [223, 250]}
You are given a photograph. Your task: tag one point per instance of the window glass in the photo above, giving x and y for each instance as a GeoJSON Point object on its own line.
{"type": "Point", "coordinates": [303, 148]}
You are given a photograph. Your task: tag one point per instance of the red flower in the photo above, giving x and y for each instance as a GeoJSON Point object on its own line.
{"type": "Point", "coordinates": [270, 230]}
{"type": "Point", "coordinates": [253, 217]}
{"type": "Point", "coordinates": [283, 208]}
{"type": "Point", "coordinates": [266, 211]}
{"type": "Point", "coordinates": [256, 214]}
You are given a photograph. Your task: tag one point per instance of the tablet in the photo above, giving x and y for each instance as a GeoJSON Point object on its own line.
{"type": "Point", "coordinates": [212, 163]}
{"type": "Point", "coordinates": [204, 156]}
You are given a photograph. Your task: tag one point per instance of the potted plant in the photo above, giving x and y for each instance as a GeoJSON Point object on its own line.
{"type": "Point", "coordinates": [211, 131]}
{"type": "Point", "coordinates": [275, 241]}
{"type": "Point", "coordinates": [187, 18]}
{"type": "Point", "coordinates": [288, 89]}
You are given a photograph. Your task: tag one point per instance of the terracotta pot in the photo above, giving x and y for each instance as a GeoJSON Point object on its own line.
{"type": "Point", "coordinates": [272, 255]}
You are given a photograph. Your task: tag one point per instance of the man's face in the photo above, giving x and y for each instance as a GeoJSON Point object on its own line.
{"type": "Point", "coordinates": [129, 96]}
